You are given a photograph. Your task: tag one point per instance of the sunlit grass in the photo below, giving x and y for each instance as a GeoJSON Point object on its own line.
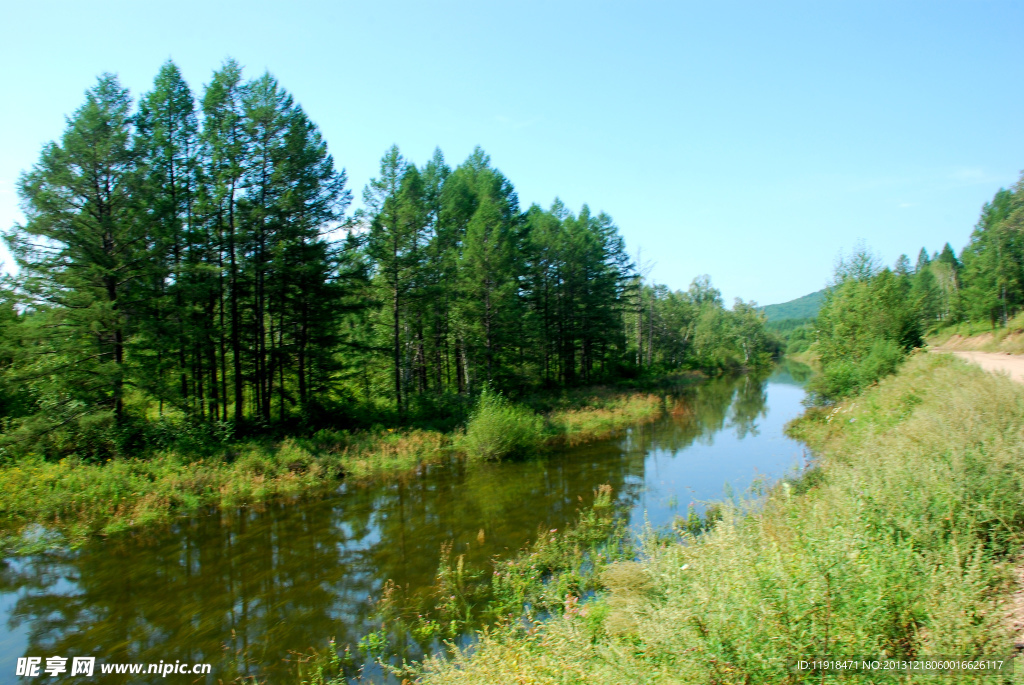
{"type": "Point", "coordinates": [983, 336]}
{"type": "Point", "coordinates": [897, 544]}
{"type": "Point", "coordinates": [604, 415]}
{"type": "Point", "coordinates": [75, 498]}
{"type": "Point", "coordinates": [499, 428]}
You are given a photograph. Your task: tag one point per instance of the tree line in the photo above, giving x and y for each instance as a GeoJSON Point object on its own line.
{"type": "Point", "coordinates": [193, 256]}
{"type": "Point", "coordinates": [873, 315]}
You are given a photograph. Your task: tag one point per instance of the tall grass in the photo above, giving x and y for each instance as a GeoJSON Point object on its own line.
{"type": "Point", "coordinates": [499, 429]}
{"type": "Point", "coordinates": [74, 498]}
{"type": "Point", "coordinates": [603, 415]}
{"type": "Point", "coordinates": [899, 543]}
{"type": "Point", "coordinates": [78, 496]}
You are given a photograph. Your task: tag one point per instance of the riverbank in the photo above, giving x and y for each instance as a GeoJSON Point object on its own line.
{"type": "Point", "coordinates": [72, 499]}
{"type": "Point", "coordinates": [902, 541]}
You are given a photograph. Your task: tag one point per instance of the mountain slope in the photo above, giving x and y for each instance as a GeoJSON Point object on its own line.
{"type": "Point", "coordinates": [805, 307]}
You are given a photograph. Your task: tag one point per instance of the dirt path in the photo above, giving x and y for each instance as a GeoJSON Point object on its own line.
{"type": "Point", "coordinates": [996, 362]}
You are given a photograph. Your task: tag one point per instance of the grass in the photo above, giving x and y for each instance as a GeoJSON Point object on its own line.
{"type": "Point", "coordinates": [602, 414]}
{"type": "Point", "coordinates": [900, 542]}
{"type": "Point", "coordinates": [546, 577]}
{"type": "Point", "coordinates": [499, 429]}
{"type": "Point", "coordinates": [73, 499]}
{"type": "Point", "coordinates": [809, 357]}
{"type": "Point", "coordinates": [983, 336]}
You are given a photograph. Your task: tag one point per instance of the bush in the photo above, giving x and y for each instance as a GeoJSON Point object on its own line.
{"type": "Point", "coordinates": [843, 377]}
{"type": "Point", "coordinates": [499, 429]}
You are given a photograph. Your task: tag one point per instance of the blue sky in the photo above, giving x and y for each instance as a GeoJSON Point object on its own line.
{"type": "Point", "coordinates": [750, 141]}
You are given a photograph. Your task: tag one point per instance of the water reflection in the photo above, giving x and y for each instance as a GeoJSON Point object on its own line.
{"type": "Point", "coordinates": [243, 589]}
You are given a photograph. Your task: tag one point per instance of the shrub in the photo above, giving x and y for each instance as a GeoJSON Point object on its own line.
{"type": "Point", "coordinates": [499, 429]}
{"type": "Point", "coordinates": [844, 377]}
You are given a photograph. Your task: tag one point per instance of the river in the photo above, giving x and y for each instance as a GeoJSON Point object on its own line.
{"type": "Point", "coordinates": [245, 589]}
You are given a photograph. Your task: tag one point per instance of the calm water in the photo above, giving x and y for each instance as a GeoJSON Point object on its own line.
{"type": "Point", "coordinates": [244, 589]}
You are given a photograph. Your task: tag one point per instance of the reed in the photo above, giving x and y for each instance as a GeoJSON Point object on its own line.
{"type": "Point", "coordinates": [604, 415]}
{"type": "Point", "coordinates": [550, 576]}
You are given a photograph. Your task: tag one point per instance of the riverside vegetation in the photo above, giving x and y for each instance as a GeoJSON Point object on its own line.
{"type": "Point", "coordinates": [848, 559]}
{"type": "Point", "coordinates": [547, 578]}
{"type": "Point", "coordinates": [872, 316]}
{"type": "Point", "coordinates": [298, 572]}
{"type": "Point", "coordinates": [901, 541]}
{"type": "Point", "coordinates": [197, 319]}
{"type": "Point", "coordinates": [74, 498]}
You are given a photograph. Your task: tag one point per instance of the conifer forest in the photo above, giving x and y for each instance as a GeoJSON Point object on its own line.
{"type": "Point", "coordinates": [195, 256]}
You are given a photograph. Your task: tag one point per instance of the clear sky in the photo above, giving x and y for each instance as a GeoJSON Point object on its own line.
{"type": "Point", "coordinates": [750, 141]}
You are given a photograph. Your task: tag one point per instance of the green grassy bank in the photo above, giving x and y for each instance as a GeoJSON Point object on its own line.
{"type": "Point", "coordinates": [982, 336]}
{"type": "Point", "coordinates": [903, 542]}
{"type": "Point", "coordinates": [74, 498]}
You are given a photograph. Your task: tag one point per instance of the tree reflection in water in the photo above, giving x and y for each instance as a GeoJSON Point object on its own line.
{"type": "Point", "coordinates": [244, 589]}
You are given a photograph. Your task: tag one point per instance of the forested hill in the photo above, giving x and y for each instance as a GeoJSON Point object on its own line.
{"type": "Point", "coordinates": [192, 258]}
{"type": "Point", "coordinates": [805, 307]}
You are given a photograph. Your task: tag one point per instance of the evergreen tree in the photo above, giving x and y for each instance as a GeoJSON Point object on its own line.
{"type": "Point", "coordinates": [993, 261]}
{"type": "Point", "coordinates": [199, 261]}
{"type": "Point", "coordinates": [489, 270]}
{"type": "Point", "coordinates": [224, 153]}
{"type": "Point", "coordinates": [865, 325]}
{"type": "Point", "coordinates": [81, 254]}
{"type": "Point", "coordinates": [396, 211]}
{"type": "Point", "coordinates": [439, 267]}
{"type": "Point", "coordinates": [167, 143]}
{"type": "Point", "coordinates": [902, 267]}
{"type": "Point", "coordinates": [922, 260]}
{"type": "Point", "coordinates": [308, 275]}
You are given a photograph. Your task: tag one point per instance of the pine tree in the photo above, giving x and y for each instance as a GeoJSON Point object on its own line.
{"type": "Point", "coordinates": [993, 261]}
{"type": "Point", "coordinates": [224, 153]}
{"type": "Point", "coordinates": [489, 270]}
{"type": "Point", "coordinates": [167, 143]}
{"type": "Point", "coordinates": [397, 216]}
{"type": "Point", "coordinates": [306, 273]}
{"type": "Point", "coordinates": [439, 270]}
{"type": "Point", "coordinates": [81, 255]}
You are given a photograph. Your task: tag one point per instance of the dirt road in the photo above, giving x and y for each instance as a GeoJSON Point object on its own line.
{"type": "Point", "coordinates": [996, 362]}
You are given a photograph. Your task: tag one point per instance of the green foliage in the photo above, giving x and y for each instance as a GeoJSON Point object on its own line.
{"type": "Point", "coordinates": [695, 524]}
{"type": "Point", "coordinates": [805, 307]}
{"type": "Point", "coordinates": [993, 261]}
{"type": "Point", "coordinates": [866, 324]}
{"type": "Point", "coordinates": [842, 377]}
{"type": "Point", "coordinates": [499, 429]}
{"type": "Point", "coordinates": [189, 286]}
{"type": "Point", "coordinates": [192, 259]}
{"type": "Point", "coordinates": [561, 567]}
{"type": "Point", "coordinates": [693, 329]}
{"type": "Point", "coordinates": [854, 561]}
{"type": "Point", "coordinates": [82, 261]}
{"type": "Point", "coordinates": [157, 256]}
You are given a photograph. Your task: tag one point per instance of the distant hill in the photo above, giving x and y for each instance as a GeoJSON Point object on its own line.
{"type": "Point", "coordinates": [805, 307]}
